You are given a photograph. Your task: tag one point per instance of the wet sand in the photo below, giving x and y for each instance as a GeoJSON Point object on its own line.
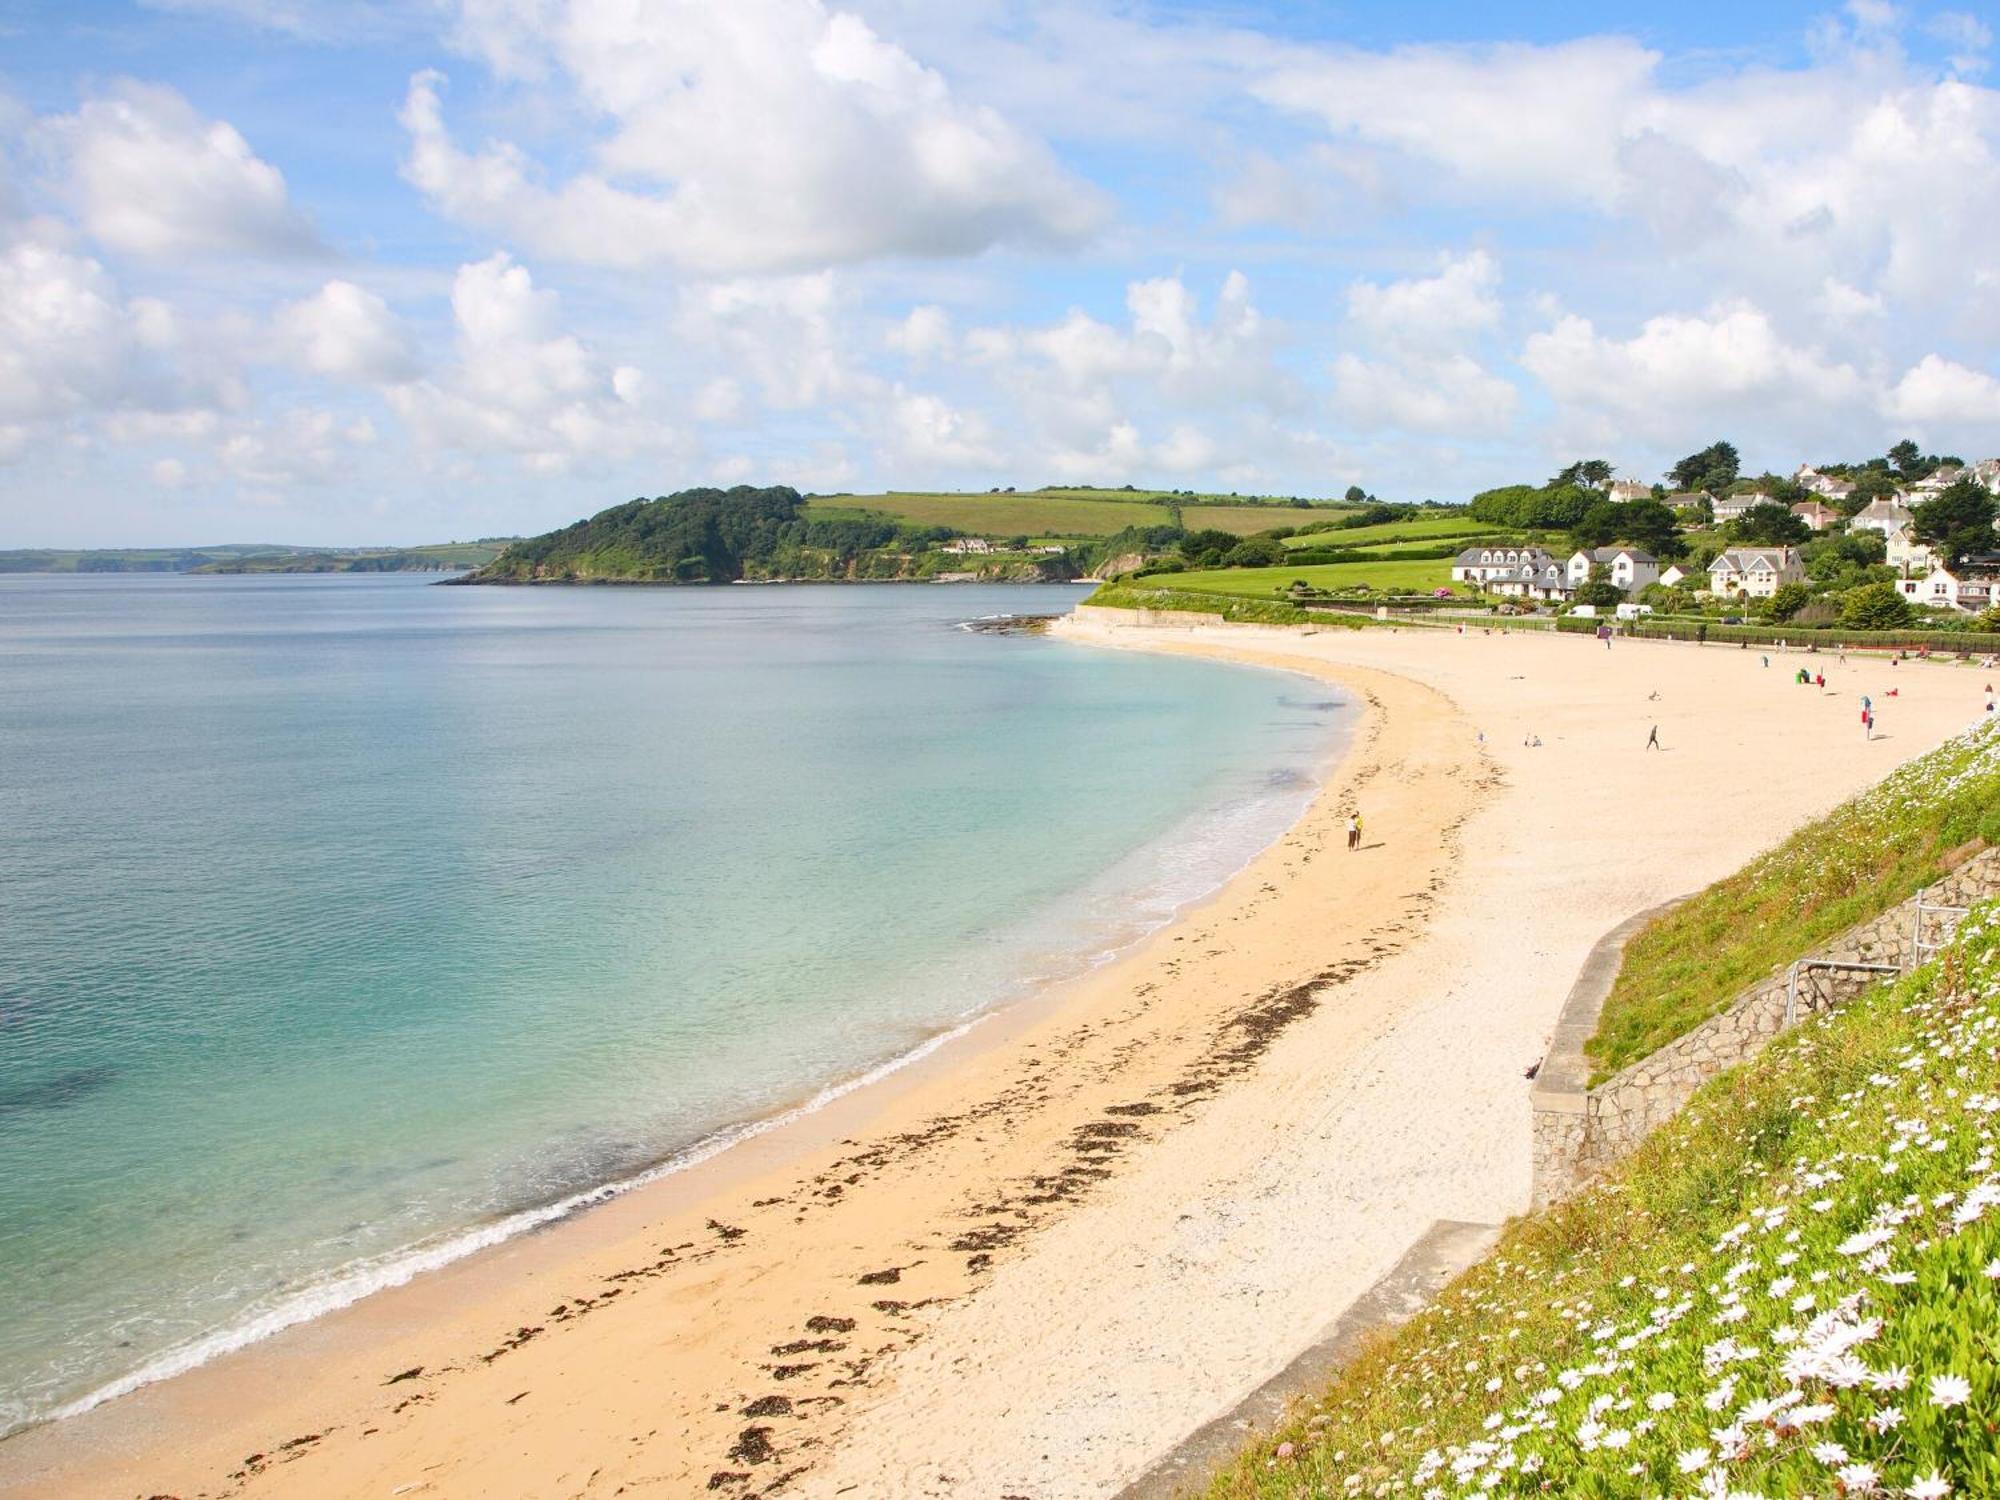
{"type": "Point", "coordinates": [1034, 1261]}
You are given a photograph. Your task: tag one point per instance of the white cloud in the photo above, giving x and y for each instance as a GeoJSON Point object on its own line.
{"type": "Point", "coordinates": [169, 473]}
{"type": "Point", "coordinates": [524, 386]}
{"type": "Point", "coordinates": [152, 177]}
{"type": "Point", "coordinates": [1682, 376]}
{"type": "Point", "coordinates": [930, 434]}
{"type": "Point", "coordinates": [785, 333]}
{"type": "Point", "coordinates": [923, 334]}
{"type": "Point", "coordinates": [348, 332]}
{"type": "Point", "coordinates": [762, 135]}
{"type": "Point", "coordinates": [1940, 394]}
{"type": "Point", "coordinates": [1432, 312]}
{"type": "Point", "coordinates": [1447, 393]}
{"type": "Point", "coordinates": [1503, 119]}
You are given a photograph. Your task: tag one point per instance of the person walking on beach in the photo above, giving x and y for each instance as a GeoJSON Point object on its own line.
{"type": "Point", "coordinates": [1354, 830]}
{"type": "Point", "coordinates": [1653, 739]}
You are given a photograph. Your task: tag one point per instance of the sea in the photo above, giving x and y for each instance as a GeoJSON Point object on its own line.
{"type": "Point", "coordinates": [349, 923]}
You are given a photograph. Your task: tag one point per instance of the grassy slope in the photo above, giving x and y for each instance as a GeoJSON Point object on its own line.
{"type": "Point", "coordinates": [1421, 575]}
{"type": "Point", "coordinates": [1433, 529]}
{"type": "Point", "coordinates": [1069, 513]}
{"type": "Point", "coordinates": [1006, 515]}
{"type": "Point", "coordinates": [1866, 856]}
{"type": "Point", "coordinates": [1759, 1299]}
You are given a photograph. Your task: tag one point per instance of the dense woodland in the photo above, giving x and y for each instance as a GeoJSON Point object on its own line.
{"type": "Point", "coordinates": [723, 536]}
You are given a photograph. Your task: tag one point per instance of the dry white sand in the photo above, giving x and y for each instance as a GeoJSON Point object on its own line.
{"type": "Point", "coordinates": [1195, 1276]}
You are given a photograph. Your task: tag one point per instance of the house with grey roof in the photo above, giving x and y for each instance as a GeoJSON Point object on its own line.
{"type": "Point", "coordinates": [1512, 571]}
{"type": "Point", "coordinates": [1630, 568]}
{"type": "Point", "coordinates": [1755, 572]}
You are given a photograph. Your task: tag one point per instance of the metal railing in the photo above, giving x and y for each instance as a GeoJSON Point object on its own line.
{"type": "Point", "coordinates": [1922, 943]}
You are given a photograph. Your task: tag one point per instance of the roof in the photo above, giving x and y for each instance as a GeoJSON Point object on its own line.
{"type": "Point", "coordinates": [1688, 497]}
{"type": "Point", "coordinates": [1743, 559]}
{"type": "Point", "coordinates": [1608, 554]}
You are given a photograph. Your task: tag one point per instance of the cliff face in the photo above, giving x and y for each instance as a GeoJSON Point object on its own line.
{"type": "Point", "coordinates": [1111, 567]}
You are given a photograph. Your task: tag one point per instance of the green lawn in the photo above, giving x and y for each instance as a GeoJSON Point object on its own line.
{"type": "Point", "coordinates": [1418, 576]}
{"type": "Point", "coordinates": [1789, 1290]}
{"type": "Point", "coordinates": [1243, 520]}
{"type": "Point", "coordinates": [1007, 515]}
{"type": "Point", "coordinates": [1435, 528]}
{"type": "Point", "coordinates": [1864, 857]}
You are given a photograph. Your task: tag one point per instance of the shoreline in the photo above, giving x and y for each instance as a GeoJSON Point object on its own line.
{"type": "Point", "coordinates": [117, 1434]}
{"type": "Point", "coordinates": [1039, 1258]}
{"type": "Point", "coordinates": [349, 1285]}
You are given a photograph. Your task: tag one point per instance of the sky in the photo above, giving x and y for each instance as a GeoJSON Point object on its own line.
{"type": "Point", "coordinates": [397, 271]}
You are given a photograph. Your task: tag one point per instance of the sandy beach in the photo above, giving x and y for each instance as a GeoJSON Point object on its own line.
{"type": "Point", "coordinates": [1031, 1264]}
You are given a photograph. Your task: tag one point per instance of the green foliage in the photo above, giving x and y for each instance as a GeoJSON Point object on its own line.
{"type": "Point", "coordinates": [1713, 469]}
{"type": "Point", "coordinates": [1256, 552]}
{"type": "Point", "coordinates": [1769, 525]}
{"type": "Point", "coordinates": [1589, 473]}
{"type": "Point", "coordinates": [696, 536]}
{"type": "Point", "coordinates": [1793, 1277]}
{"type": "Point", "coordinates": [1554, 508]}
{"type": "Point", "coordinates": [1864, 857]}
{"type": "Point", "coordinates": [1876, 606]}
{"type": "Point", "coordinates": [1958, 523]}
{"type": "Point", "coordinates": [1789, 600]}
{"type": "Point", "coordinates": [1241, 611]}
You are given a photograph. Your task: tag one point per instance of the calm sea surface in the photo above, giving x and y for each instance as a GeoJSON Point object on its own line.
{"type": "Point", "coordinates": [347, 922]}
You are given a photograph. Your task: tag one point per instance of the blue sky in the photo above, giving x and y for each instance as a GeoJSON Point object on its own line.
{"type": "Point", "coordinates": [362, 271]}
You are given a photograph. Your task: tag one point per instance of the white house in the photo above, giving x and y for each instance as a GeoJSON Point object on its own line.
{"type": "Point", "coordinates": [1826, 485]}
{"type": "Point", "coordinates": [1755, 572]}
{"type": "Point", "coordinates": [1940, 588]}
{"type": "Point", "coordinates": [1688, 499]}
{"type": "Point", "coordinates": [1674, 576]}
{"type": "Point", "coordinates": [1882, 515]}
{"type": "Point", "coordinates": [967, 544]}
{"type": "Point", "coordinates": [1515, 572]}
{"type": "Point", "coordinates": [1815, 514]}
{"type": "Point", "coordinates": [1905, 553]}
{"type": "Point", "coordinates": [1629, 489]}
{"type": "Point", "coordinates": [1938, 480]}
{"type": "Point", "coordinates": [1729, 507]}
{"type": "Point", "coordinates": [1987, 472]}
{"type": "Point", "coordinates": [1630, 568]}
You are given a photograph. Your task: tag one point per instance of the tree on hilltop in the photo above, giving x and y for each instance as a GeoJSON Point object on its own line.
{"type": "Point", "coordinates": [1769, 525]}
{"type": "Point", "coordinates": [1958, 524]}
{"type": "Point", "coordinates": [1714, 468]}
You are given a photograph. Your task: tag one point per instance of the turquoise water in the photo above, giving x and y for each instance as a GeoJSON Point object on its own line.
{"type": "Point", "coordinates": [348, 922]}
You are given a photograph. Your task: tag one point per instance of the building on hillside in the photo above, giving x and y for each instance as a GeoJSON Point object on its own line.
{"type": "Point", "coordinates": [1882, 515]}
{"type": "Point", "coordinates": [966, 545]}
{"type": "Point", "coordinates": [1938, 480]}
{"type": "Point", "coordinates": [1827, 486]}
{"type": "Point", "coordinates": [1628, 567]}
{"type": "Point", "coordinates": [1987, 472]}
{"type": "Point", "coordinates": [1755, 572]}
{"type": "Point", "coordinates": [1969, 591]}
{"type": "Point", "coordinates": [1629, 489]}
{"type": "Point", "coordinates": [1816, 514]}
{"type": "Point", "coordinates": [1904, 553]}
{"type": "Point", "coordinates": [1688, 499]}
{"type": "Point", "coordinates": [1674, 576]}
{"type": "Point", "coordinates": [1513, 572]}
{"type": "Point", "coordinates": [1729, 507]}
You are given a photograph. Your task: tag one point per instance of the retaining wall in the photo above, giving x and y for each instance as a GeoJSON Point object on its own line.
{"type": "Point", "coordinates": [1580, 1130]}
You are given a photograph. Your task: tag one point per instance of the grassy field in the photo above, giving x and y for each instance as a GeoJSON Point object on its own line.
{"type": "Point", "coordinates": [1071, 513]}
{"type": "Point", "coordinates": [1866, 856]}
{"type": "Point", "coordinates": [1789, 1290]}
{"type": "Point", "coordinates": [1430, 530]}
{"type": "Point", "coordinates": [1006, 515]}
{"type": "Point", "coordinates": [1243, 520]}
{"type": "Point", "coordinates": [1418, 576]}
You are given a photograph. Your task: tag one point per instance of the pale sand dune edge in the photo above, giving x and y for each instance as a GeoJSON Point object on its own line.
{"type": "Point", "coordinates": [1033, 1263]}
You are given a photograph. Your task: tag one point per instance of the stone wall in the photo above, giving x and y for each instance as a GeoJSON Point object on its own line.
{"type": "Point", "coordinates": [1579, 1130]}
{"type": "Point", "coordinates": [1186, 619]}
